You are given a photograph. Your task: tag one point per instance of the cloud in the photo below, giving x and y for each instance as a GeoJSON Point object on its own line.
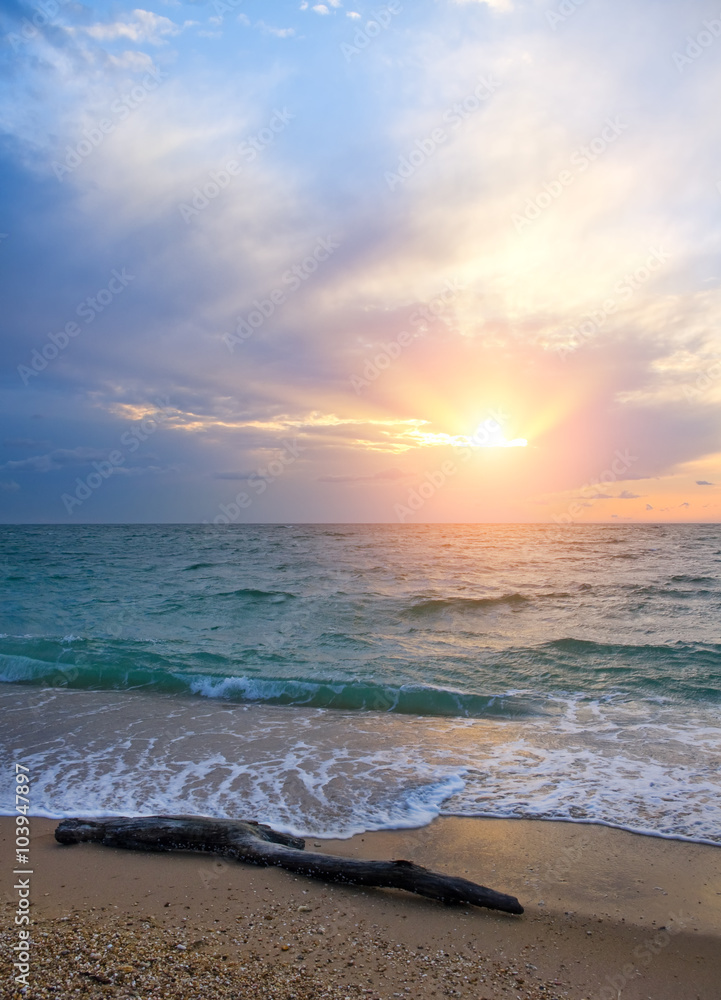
{"type": "Point", "coordinates": [649, 507]}
{"type": "Point", "coordinates": [71, 458]}
{"type": "Point", "coordinates": [703, 482]}
{"type": "Point", "coordinates": [59, 459]}
{"type": "Point", "coordinates": [278, 32]}
{"type": "Point", "coordinates": [627, 495]}
{"type": "Point", "coordinates": [324, 9]}
{"type": "Point", "coordinates": [501, 5]}
{"type": "Point", "coordinates": [145, 26]}
{"type": "Point", "coordinates": [25, 443]}
{"type": "Point", "coordinates": [385, 475]}
{"type": "Point", "coordinates": [136, 62]}
{"type": "Point", "coordinates": [634, 384]}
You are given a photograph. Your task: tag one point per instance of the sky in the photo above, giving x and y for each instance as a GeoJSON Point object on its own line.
{"type": "Point", "coordinates": [429, 261]}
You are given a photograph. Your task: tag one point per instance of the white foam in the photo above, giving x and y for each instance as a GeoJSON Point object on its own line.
{"type": "Point", "coordinates": [317, 772]}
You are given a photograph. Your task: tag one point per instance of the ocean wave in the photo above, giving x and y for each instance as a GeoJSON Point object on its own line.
{"type": "Point", "coordinates": [685, 578]}
{"type": "Point", "coordinates": [662, 590]}
{"type": "Point", "coordinates": [687, 651]}
{"type": "Point", "coordinates": [517, 681]}
{"type": "Point", "coordinates": [253, 594]}
{"type": "Point", "coordinates": [356, 696]}
{"type": "Point", "coordinates": [353, 696]}
{"type": "Point", "coordinates": [461, 604]}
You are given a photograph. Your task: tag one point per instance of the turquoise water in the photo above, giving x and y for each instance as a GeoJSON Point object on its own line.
{"type": "Point", "coordinates": [338, 678]}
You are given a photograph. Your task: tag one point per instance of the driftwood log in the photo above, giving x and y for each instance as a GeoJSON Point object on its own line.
{"type": "Point", "coordinates": [257, 844]}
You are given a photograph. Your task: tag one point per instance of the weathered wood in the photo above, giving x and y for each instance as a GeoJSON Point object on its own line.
{"type": "Point", "coordinates": [257, 844]}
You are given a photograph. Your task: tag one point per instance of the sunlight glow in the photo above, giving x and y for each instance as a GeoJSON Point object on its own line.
{"type": "Point", "coordinates": [490, 435]}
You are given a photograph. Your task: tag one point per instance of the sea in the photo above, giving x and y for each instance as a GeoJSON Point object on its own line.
{"type": "Point", "coordinates": [334, 679]}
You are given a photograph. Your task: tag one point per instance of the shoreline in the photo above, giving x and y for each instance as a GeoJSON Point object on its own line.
{"type": "Point", "coordinates": [607, 911]}
{"type": "Point", "coordinates": [442, 817]}
{"type": "Point", "coordinates": [422, 765]}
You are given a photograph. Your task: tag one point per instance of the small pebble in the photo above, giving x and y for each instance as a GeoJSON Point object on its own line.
{"type": "Point", "coordinates": [72, 958]}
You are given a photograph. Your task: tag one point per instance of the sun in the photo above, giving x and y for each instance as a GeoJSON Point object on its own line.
{"type": "Point", "coordinates": [489, 434]}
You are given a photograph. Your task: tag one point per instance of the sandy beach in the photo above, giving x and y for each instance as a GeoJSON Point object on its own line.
{"type": "Point", "coordinates": [608, 914]}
